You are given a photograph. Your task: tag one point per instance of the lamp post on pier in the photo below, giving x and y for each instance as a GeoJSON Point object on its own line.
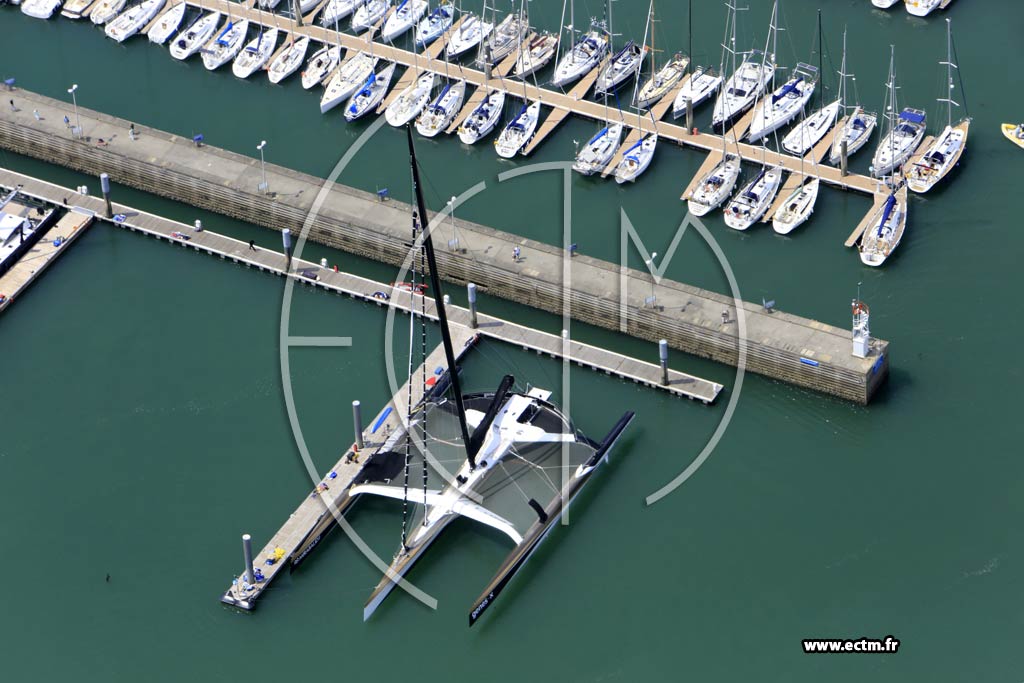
{"type": "Point", "coordinates": [650, 266]}
{"type": "Point", "coordinates": [264, 187]}
{"type": "Point", "coordinates": [74, 101]}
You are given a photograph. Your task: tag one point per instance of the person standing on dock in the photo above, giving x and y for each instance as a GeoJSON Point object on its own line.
{"type": "Point", "coordinates": [516, 254]}
{"type": "Point", "coordinates": [131, 131]}
{"type": "Point", "coordinates": [35, 113]}
{"type": "Point", "coordinates": [252, 245]}
{"type": "Point", "coordinates": [13, 108]}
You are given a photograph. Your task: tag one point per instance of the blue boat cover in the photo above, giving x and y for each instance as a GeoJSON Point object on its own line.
{"type": "Point", "coordinates": [220, 38]}
{"type": "Point", "coordinates": [890, 203]}
{"type": "Point", "coordinates": [912, 116]}
{"type": "Point", "coordinates": [598, 136]}
{"type": "Point", "coordinates": [787, 89]}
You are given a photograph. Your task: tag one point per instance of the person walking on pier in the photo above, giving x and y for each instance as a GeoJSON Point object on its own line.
{"type": "Point", "coordinates": [516, 254]}
{"type": "Point", "coordinates": [131, 131]}
{"type": "Point", "coordinates": [252, 245]}
{"type": "Point", "coordinates": [13, 108]}
{"type": "Point", "coordinates": [35, 113]}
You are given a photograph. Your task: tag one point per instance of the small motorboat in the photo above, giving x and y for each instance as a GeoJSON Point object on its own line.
{"type": "Point", "coordinates": [321, 65]}
{"type": "Point", "coordinates": [40, 9]}
{"type": "Point", "coordinates": [255, 54]}
{"type": "Point", "coordinates": [636, 159]}
{"type": "Point", "coordinates": [289, 61]}
{"type": "Point", "coordinates": [1014, 133]}
{"type": "Point", "coordinates": [226, 46]}
{"type": "Point", "coordinates": [482, 120]}
{"type": "Point", "coordinates": [369, 97]}
{"type": "Point", "coordinates": [75, 9]}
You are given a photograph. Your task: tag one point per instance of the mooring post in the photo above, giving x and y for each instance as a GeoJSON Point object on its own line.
{"type": "Point", "coordinates": [298, 13]}
{"type": "Point", "coordinates": [471, 293]}
{"type": "Point", "coordinates": [843, 156]}
{"type": "Point", "coordinates": [105, 187]}
{"type": "Point", "coordinates": [663, 355]}
{"type": "Point", "coordinates": [487, 60]}
{"type": "Point", "coordinates": [689, 115]}
{"type": "Point", "coordinates": [247, 555]}
{"type": "Point", "coordinates": [357, 422]}
{"type": "Point", "coordinates": [286, 240]}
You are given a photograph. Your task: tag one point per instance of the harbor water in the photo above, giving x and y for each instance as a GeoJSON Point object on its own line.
{"type": "Point", "coordinates": [144, 425]}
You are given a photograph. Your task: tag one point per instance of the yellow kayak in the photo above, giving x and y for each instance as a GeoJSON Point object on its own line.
{"type": "Point", "coordinates": [1009, 130]}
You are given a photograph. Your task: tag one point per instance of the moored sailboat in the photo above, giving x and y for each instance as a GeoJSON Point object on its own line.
{"type": "Point", "coordinates": [483, 119]}
{"type": "Point", "coordinates": [599, 150]}
{"type": "Point", "coordinates": [439, 114]}
{"type": "Point", "coordinates": [750, 203]}
{"type": "Point", "coordinates": [226, 46]}
{"type": "Point", "coordinates": [167, 24]}
{"type": "Point", "coordinates": [192, 39]}
{"type": "Point", "coordinates": [255, 54]}
{"type": "Point", "coordinates": [369, 97]}
{"type": "Point", "coordinates": [346, 80]}
{"type": "Point", "coordinates": [133, 20]}
{"type": "Point", "coordinates": [518, 131]}
{"type": "Point", "coordinates": [636, 159]}
{"type": "Point", "coordinates": [411, 101]}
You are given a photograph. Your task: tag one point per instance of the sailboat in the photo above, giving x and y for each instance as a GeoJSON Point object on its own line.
{"type": "Point", "coordinates": [368, 14]}
{"type": "Point", "coordinates": [471, 31]}
{"type": "Point", "coordinates": [403, 19]}
{"type": "Point", "coordinates": [518, 131]}
{"type": "Point", "coordinates": [371, 94]}
{"type": "Point", "coordinates": [40, 9]}
{"type": "Point", "coordinates": [582, 57]}
{"type": "Point", "coordinates": [439, 114]}
{"type": "Point", "coordinates": [884, 4]}
{"type": "Point", "coordinates": [859, 123]}
{"type": "Point", "coordinates": [347, 80]}
{"type": "Point", "coordinates": [500, 42]}
{"type": "Point", "coordinates": [106, 11]}
{"type": "Point", "coordinates": [785, 103]}
{"type": "Point", "coordinates": [748, 81]}
{"type": "Point", "coordinates": [255, 54]}
{"type": "Point", "coordinates": [500, 437]}
{"type": "Point", "coordinates": [626, 63]}
{"type": "Point", "coordinates": [484, 117]}
{"type": "Point", "coordinates": [75, 9]}
{"type": "Point", "coordinates": [289, 61]}
{"type": "Point", "coordinates": [921, 8]}
{"type": "Point", "coordinates": [433, 26]}
{"type": "Point", "coordinates": [321, 65]}
{"type": "Point", "coordinates": [664, 79]}
{"type": "Point", "coordinates": [636, 159]}
{"type": "Point", "coordinates": [336, 10]}
{"type": "Point", "coordinates": [599, 150]}
{"type": "Point", "coordinates": [192, 39]}
{"type": "Point", "coordinates": [167, 24]}
{"type": "Point", "coordinates": [536, 55]}
{"type": "Point", "coordinates": [698, 89]}
{"type": "Point", "coordinates": [886, 230]}
{"type": "Point", "coordinates": [133, 20]}
{"type": "Point", "coordinates": [751, 203]}
{"type": "Point", "coordinates": [411, 101]}
{"type": "Point", "coordinates": [797, 207]}
{"type": "Point", "coordinates": [227, 45]}
{"type": "Point", "coordinates": [904, 131]}
{"type": "Point", "coordinates": [945, 152]}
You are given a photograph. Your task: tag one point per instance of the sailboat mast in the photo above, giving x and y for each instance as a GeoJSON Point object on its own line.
{"type": "Point", "coordinates": [821, 64]}
{"type": "Point", "coordinates": [842, 76]}
{"type": "Point", "coordinates": [435, 283]}
{"type": "Point", "coordinates": [949, 73]}
{"type": "Point", "coordinates": [689, 28]}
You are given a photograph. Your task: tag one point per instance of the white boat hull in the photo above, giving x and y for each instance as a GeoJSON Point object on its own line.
{"type": "Point", "coordinates": [408, 105]}
{"type": "Point", "coordinates": [636, 160]}
{"type": "Point", "coordinates": [233, 42]}
{"type": "Point", "coordinates": [715, 187]}
{"type": "Point", "coordinates": [321, 65]}
{"type": "Point", "coordinates": [289, 61]}
{"type": "Point", "coordinates": [518, 132]}
{"type": "Point", "coordinates": [167, 24]}
{"type": "Point", "coordinates": [40, 9]}
{"type": "Point", "coordinates": [796, 208]}
{"type": "Point", "coordinates": [750, 205]}
{"type": "Point", "coordinates": [255, 54]}
{"type": "Point", "coordinates": [369, 98]}
{"type": "Point", "coordinates": [483, 119]}
{"type": "Point", "coordinates": [811, 130]}
{"type": "Point", "coordinates": [403, 19]}
{"type": "Point", "coordinates": [347, 80]}
{"type": "Point", "coordinates": [192, 39]}
{"type": "Point", "coordinates": [440, 114]}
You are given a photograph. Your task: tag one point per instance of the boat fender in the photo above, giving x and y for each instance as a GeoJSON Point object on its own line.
{"type": "Point", "coordinates": [541, 514]}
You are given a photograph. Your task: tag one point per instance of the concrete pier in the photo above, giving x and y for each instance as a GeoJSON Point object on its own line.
{"type": "Point", "coordinates": [778, 344]}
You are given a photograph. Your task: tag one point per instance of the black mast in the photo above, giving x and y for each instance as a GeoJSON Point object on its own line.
{"type": "Point", "coordinates": [435, 283]}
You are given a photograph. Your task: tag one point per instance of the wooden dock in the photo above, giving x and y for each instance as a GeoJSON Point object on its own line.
{"type": "Point", "coordinates": [44, 253]}
{"type": "Point", "coordinates": [225, 182]}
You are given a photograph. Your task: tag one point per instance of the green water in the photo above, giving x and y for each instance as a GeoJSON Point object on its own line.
{"type": "Point", "coordinates": [144, 426]}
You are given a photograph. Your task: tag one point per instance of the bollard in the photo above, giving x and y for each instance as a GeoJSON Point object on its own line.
{"type": "Point", "coordinates": [298, 13]}
{"type": "Point", "coordinates": [663, 355]}
{"type": "Point", "coordinates": [105, 188]}
{"type": "Point", "coordinates": [286, 241]}
{"type": "Point", "coordinates": [447, 300]}
{"type": "Point", "coordinates": [247, 555]}
{"type": "Point", "coordinates": [357, 422]}
{"type": "Point", "coordinates": [689, 114]}
{"type": "Point", "coordinates": [843, 156]}
{"type": "Point", "coordinates": [471, 293]}
{"type": "Point", "coordinates": [487, 60]}
{"type": "Point", "coordinates": [199, 225]}
{"type": "Point", "coordinates": [323, 263]}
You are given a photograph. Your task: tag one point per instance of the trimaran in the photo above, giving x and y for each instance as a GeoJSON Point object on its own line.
{"type": "Point", "coordinates": [517, 460]}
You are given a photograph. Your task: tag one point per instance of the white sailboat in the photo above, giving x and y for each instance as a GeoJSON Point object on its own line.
{"type": "Point", "coordinates": [289, 60]}
{"type": "Point", "coordinates": [583, 56]}
{"type": "Point", "coordinates": [40, 9]}
{"type": "Point", "coordinates": [483, 119]}
{"type": "Point", "coordinates": [336, 10]}
{"type": "Point", "coordinates": [796, 208]}
{"type": "Point", "coordinates": [748, 81]}
{"type": "Point", "coordinates": [624, 64]}
{"type": "Point", "coordinates": [785, 103]}
{"type": "Point", "coordinates": [536, 55]}
{"type": "Point", "coordinates": [859, 124]}
{"type": "Point", "coordinates": [596, 154]}
{"type": "Point", "coordinates": [884, 4]}
{"type": "Point", "coordinates": [321, 65]}
{"type": "Point", "coordinates": [471, 31]}
{"type": "Point", "coordinates": [922, 8]}
{"type": "Point", "coordinates": [192, 39]}
{"type": "Point", "coordinates": [371, 94]}
{"type": "Point", "coordinates": [368, 14]}
{"type": "Point", "coordinates": [886, 230]}
{"type": "Point", "coordinates": [518, 131]}
{"type": "Point", "coordinates": [106, 10]}
{"type": "Point", "coordinates": [697, 90]}
{"type": "Point", "coordinates": [503, 39]}
{"type": "Point", "coordinates": [347, 80]}
{"type": "Point", "coordinates": [255, 54]}
{"type": "Point", "coordinates": [636, 159]}
{"type": "Point", "coordinates": [904, 132]}
{"type": "Point", "coordinates": [433, 26]}
{"type": "Point", "coordinates": [439, 114]}
{"type": "Point", "coordinates": [227, 45]}
{"type": "Point", "coordinates": [75, 9]}
{"type": "Point", "coordinates": [133, 20]}
{"type": "Point", "coordinates": [167, 24]}
{"type": "Point", "coordinates": [716, 185]}
{"type": "Point", "coordinates": [945, 152]}
{"type": "Point", "coordinates": [750, 203]}
{"type": "Point", "coordinates": [811, 130]}
{"type": "Point", "coordinates": [411, 101]}
{"type": "Point", "coordinates": [403, 19]}
{"type": "Point", "coordinates": [664, 79]}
